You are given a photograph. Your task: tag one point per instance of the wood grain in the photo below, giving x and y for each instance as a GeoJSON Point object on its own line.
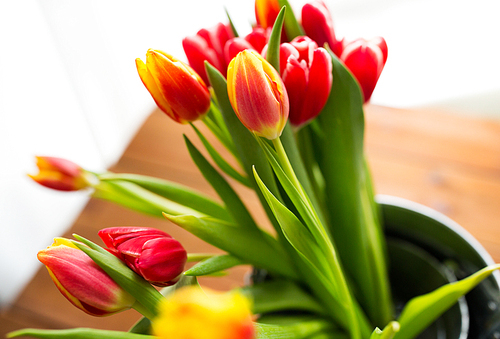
{"type": "Point", "coordinates": [447, 162]}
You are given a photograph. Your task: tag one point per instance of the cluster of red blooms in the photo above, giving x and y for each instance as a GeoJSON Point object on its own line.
{"type": "Point", "coordinates": [305, 66]}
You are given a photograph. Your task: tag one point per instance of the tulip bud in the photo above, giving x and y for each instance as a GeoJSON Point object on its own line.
{"type": "Point", "coordinates": [318, 25]}
{"type": "Point", "coordinates": [366, 60]}
{"type": "Point", "coordinates": [82, 281]}
{"type": "Point", "coordinates": [266, 12]}
{"type": "Point", "coordinates": [208, 45]}
{"type": "Point", "coordinates": [193, 313]}
{"type": "Point", "coordinates": [151, 253]}
{"type": "Point", "coordinates": [61, 174]}
{"type": "Point", "coordinates": [255, 40]}
{"type": "Point", "coordinates": [307, 73]}
{"type": "Point", "coordinates": [257, 94]}
{"type": "Point", "coordinates": [176, 88]}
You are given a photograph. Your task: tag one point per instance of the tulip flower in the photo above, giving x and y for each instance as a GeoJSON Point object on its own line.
{"type": "Point", "coordinates": [266, 12]}
{"type": "Point", "coordinates": [307, 73]}
{"type": "Point", "coordinates": [151, 253]}
{"type": "Point", "coordinates": [61, 174]}
{"type": "Point", "coordinates": [255, 40]}
{"type": "Point", "coordinates": [193, 313]}
{"type": "Point", "coordinates": [82, 281]}
{"type": "Point", "coordinates": [175, 87]}
{"type": "Point", "coordinates": [257, 94]}
{"type": "Point", "coordinates": [208, 45]}
{"type": "Point", "coordinates": [366, 60]}
{"type": "Point", "coordinates": [318, 25]}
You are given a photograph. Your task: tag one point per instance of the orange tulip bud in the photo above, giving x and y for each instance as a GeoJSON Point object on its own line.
{"type": "Point", "coordinates": [193, 313]}
{"type": "Point", "coordinates": [266, 12]}
{"type": "Point", "coordinates": [82, 281]}
{"type": "Point", "coordinates": [257, 94]}
{"type": "Point", "coordinates": [60, 174]}
{"type": "Point", "coordinates": [176, 88]}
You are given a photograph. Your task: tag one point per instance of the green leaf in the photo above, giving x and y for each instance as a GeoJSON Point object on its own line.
{"type": "Point", "coordinates": [224, 139]}
{"type": "Point", "coordinates": [353, 220]}
{"type": "Point", "coordinates": [295, 232]}
{"type": "Point", "coordinates": [292, 27]}
{"type": "Point", "coordinates": [388, 333]}
{"type": "Point", "coordinates": [299, 330]}
{"type": "Point", "coordinates": [77, 333]}
{"type": "Point", "coordinates": [173, 191]}
{"type": "Point", "coordinates": [281, 295]}
{"type": "Point", "coordinates": [129, 190]}
{"type": "Point", "coordinates": [214, 264]}
{"type": "Point", "coordinates": [273, 46]}
{"type": "Point", "coordinates": [192, 257]}
{"type": "Point", "coordinates": [233, 203]}
{"type": "Point", "coordinates": [130, 281]}
{"type": "Point", "coordinates": [233, 29]}
{"type": "Point", "coordinates": [256, 248]}
{"type": "Point", "coordinates": [220, 161]}
{"type": "Point", "coordinates": [421, 311]}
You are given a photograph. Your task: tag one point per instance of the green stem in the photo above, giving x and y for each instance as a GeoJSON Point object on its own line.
{"type": "Point", "coordinates": [142, 310]}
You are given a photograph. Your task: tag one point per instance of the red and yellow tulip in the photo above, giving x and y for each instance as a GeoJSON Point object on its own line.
{"type": "Point", "coordinates": [81, 281]}
{"type": "Point", "coordinates": [307, 73]}
{"type": "Point", "coordinates": [175, 87]}
{"type": "Point", "coordinates": [60, 174]}
{"type": "Point", "coordinates": [257, 94]}
{"type": "Point", "coordinates": [193, 313]}
{"type": "Point", "coordinates": [266, 12]}
{"type": "Point", "coordinates": [151, 253]}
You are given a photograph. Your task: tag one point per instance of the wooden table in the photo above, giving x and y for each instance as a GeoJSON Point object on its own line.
{"type": "Point", "coordinates": [447, 162]}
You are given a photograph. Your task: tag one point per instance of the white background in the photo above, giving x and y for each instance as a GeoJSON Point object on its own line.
{"type": "Point", "coordinates": [69, 87]}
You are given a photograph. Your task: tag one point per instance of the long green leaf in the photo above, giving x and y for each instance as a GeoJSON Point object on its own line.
{"type": "Point", "coordinates": [256, 248]}
{"type": "Point", "coordinates": [77, 333]}
{"type": "Point", "coordinates": [130, 281]}
{"type": "Point", "coordinates": [173, 191]}
{"type": "Point", "coordinates": [213, 265]}
{"type": "Point", "coordinates": [354, 222]}
{"type": "Point", "coordinates": [388, 332]}
{"type": "Point", "coordinates": [281, 295]}
{"type": "Point", "coordinates": [220, 161]}
{"type": "Point", "coordinates": [299, 330]}
{"type": "Point", "coordinates": [292, 27]}
{"type": "Point", "coordinates": [129, 190]}
{"type": "Point", "coordinates": [295, 232]}
{"type": "Point", "coordinates": [273, 46]}
{"type": "Point", "coordinates": [232, 201]}
{"type": "Point", "coordinates": [421, 311]}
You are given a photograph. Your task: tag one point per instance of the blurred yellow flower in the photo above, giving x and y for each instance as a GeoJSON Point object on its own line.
{"type": "Point", "coordinates": [193, 313]}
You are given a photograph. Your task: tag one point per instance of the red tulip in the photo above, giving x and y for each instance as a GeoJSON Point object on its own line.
{"type": "Point", "coordinates": [255, 40]}
{"type": "Point", "coordinates": [175, 87]}
{"type": "Point", "coordinates": [318, 25]}
{"type": "Point", "coordinates": [82, 281]}
{"type": "Point", "coordinates": [60, 174]}
{"type": "Point", "coordinates": [366, 60]}
{"type": "Point", "coordinates": [151, 253]}
{"type": "Point", "coordinates": [257, 94]}
{"type": "Point", "coordinates": [307, 73]}
{"type": "Point", "coordinates": [208, 45]}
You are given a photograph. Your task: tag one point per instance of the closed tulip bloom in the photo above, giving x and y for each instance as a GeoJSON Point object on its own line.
{"type": "Point", "coordinates": [193, 313]}
{"type": "Point", "coordinates": [151, 253]}
{"type": "Point", "coordinates": [307, 73]}
{"type": "Point", "coordinates": [318, 25]}
{"type": "Point", "coordinates": [82, 281]}
{"type": "Point", "coordinates": [266, 12]}
{"type": "Point", "coordinates": [366, 60]}
{"type": "Point", "coordinates": [60, 174]}
{"type": "Point", "coordinates": [175, 87]}
{"type": "Point", "coordinates": [257, 94]}
{"type": "Point", "coordinates": [255, 40]}
{"type": "Point", "coordinates": [208, 45]}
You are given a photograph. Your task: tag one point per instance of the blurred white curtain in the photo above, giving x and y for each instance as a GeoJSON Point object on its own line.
{"type": "Point", "coordinates": [69, 88]}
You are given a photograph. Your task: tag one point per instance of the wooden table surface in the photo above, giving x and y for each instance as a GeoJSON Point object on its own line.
{"type": "Point", "coordinates": [447, 162]}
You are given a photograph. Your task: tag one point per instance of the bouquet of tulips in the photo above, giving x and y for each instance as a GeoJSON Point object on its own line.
{"type": "Point", "coordinates": [286, 101]}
